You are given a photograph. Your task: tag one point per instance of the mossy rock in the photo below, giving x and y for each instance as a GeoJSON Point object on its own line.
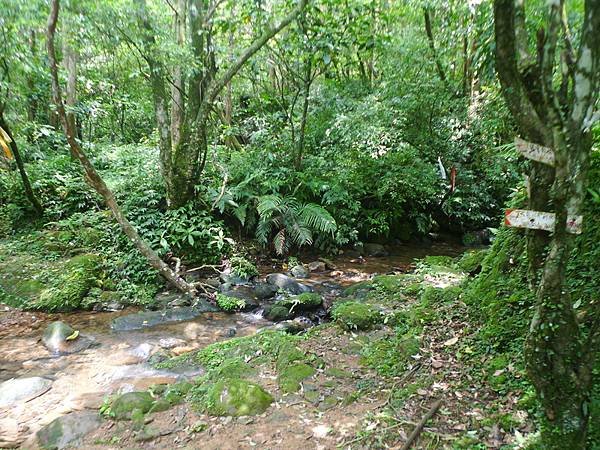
{"type": "Point", "coordinates": [338, 373]}
{"type": "Point", "coordinates": [359, 290]}
{"type": "Point", "coordinates": [390, 283]}
{"type": "Point", "coordinates": [287, 354]}
{"type": "Point", "coordinates": [277, 313]}
{"type": "Point", "coordinates": [471, 261]}
{"type": "Point", "coordinates": [175, 393]}
{"type": "Point", "coordinates": [289, 379]}
{"type": "Point", "coordinates": [124, 406]}
{"type": "Point", "coordinates": [307, 300]}
{"type": "Point", "coordinates": [67, 292]}
{"type": "Point", "coordinates": [236, 397]}
{"type": "Point", "coordinates": [356, 316]}
{"type": "Point", "coordinates": [161, 404]}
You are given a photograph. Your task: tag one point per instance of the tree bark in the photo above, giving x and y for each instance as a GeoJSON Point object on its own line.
{"type": "Point", "coordinates": [37, 206]}
{"type": "Point", "coordinates": [557, 361]}
{"type": "Point", "coordinates": [430, 39]}
{"type": "Point", "coordinates": [92, 177]}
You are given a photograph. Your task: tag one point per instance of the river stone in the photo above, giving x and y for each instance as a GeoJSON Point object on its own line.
{"type": "Point", "coordinates": [233, 279]}
{"type": "Point", "coordinates": [55, 339]}
{"type": "Point", "coordinates": [245, 293]}
{"type": "Point", "coordinates": [286, 283]}
{"type": "Point", "coordinates": [124, 405]}
{"type": "Point", "coordinates": [299, 271]}
{"type": "Point", "coordinates": [22, 390]}
{"type": "Point", "coordinates": [66, 430]}
{"type": "Point", "coordinates": [263, 291]}
{"type": "Point", "coordinates": [373, 249]}
{"type": "Point", "coordinates": [146, 319]}
{"type": "Point", "coordinates": [235, 397]}
{"type": "Point", "coordinates": [317, 266]}
{"type": "Point", "coordinates": [298, 325]}
{"type": "Point", "coordinates": [276, 313]}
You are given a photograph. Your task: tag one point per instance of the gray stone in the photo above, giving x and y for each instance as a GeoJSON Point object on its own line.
{"type": "Point", "coordinates": [20, 390]}
{"type": "Point", "coordinates": [286, 283]}
{"type": "Point", "coordinates": [147, 319]}
{"type": "Point", "coordinates": [317, 266]}
{"type": "Point", "coordinates": [298, 325]}
{"type": "Point", "coordinates": [65, 431]}
{"type": "Point", "coordinates": [373, 249]}
{"type": "Point", "coordinates": [299, 271]}
{"type": "Point", "coordinates": [233, 279]}
{"type": "Point", "coordinates": [55, 339]}
{"type": "Point", "coordinates": [263, 291]}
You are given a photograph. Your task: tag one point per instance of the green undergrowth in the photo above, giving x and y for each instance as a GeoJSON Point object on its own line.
{"type": "Point", "coordinates": [230, 304]}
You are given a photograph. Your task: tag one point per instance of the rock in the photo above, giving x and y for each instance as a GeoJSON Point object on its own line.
{"type": "Point", "coordinates": [373, 249]}
{"type": "Point", "coordinates": [235, 397]}
{"type": "Point", "coordinates": [60, 338]}
{"type": "Point", "coordinates": [299, 271]}
{"type": "Point", "coordinates": [297, 325]}
{"type": "Point", "coordinates": [329, 265]}
{"type": "Point", "coordinates": [286, 283]}
{"type": "Point", "coordinates": [146, 319]}
{"type": "Point", "coordinates": [21, 390]}
{"type": "Point", "coordinates": [124, 405]}
{"type": "Point", "coordinates": [476, 238]}
{"type": "Point", "coordinates": [276, 313]}
{"type": "Point", "coordinates": [356, 316]}
{"type": "Point", "coordinates": [173, 300]}
{"type": "Point", "coordinates": [245, 293]}
{"type": "Point", "coordinates": [170, 342]}
{"type": "Point", "coordinates": [66, 430]}
{"type": "Point", "coordinates": [317, 266]}
{"type": "Point", "coordinates": [263, 291]}
{"type": "Point", "coordinates": [233, 279]}
{"type": "Point", "coordinates": [302, 302]}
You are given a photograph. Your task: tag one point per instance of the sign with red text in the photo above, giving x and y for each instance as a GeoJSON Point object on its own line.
{"type": "Point", "coordinates": [538, 220]}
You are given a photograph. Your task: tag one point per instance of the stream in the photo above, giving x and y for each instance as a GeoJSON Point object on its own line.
{"type": "Point", "coordinates": [118, 361]}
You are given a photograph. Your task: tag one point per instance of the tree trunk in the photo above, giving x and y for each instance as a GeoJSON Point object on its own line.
{"type": "Point", "coordinates": [308, 78]}
{"type": "Point", "coordinates": [556, 354]}
{"type": "Point", "coordinates": [19, 161]}
{"type": "Point", "coordinates": [92, 177]}
{"type": "Point", "coordinates": [428, 30]}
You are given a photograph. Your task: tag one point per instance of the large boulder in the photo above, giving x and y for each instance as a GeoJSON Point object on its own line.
{"type": "Point", "coordinates": [277, 313]}
{"type": "Point", "coordinates": [146, 319]}
{"type": "Point", "coordinates": [301, 302]}
{"type": "Point", "coordinates": [59, 338]}
{"type": "Point", "coordinates": [20, 390]}
{"type": "Point", "coordinates": [65, 431]}
{"type": "Point", "coordinates": [286, 283]}
{"type": "Point", "coordinates": [235, 397]}
{"type": "Point", "coordinates": [317, 266]}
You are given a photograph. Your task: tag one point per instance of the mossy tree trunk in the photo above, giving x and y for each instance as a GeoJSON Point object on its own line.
{"type": "Point", "coordinates": [184, 142]}
{"type": "Point", "coordinates": [92, 177]}
{"type": "Point", "coordinates": [560, 350]}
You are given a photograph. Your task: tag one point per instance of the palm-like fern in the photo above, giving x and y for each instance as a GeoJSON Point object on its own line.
{"type": "Point", "coordinates": [290, 222]}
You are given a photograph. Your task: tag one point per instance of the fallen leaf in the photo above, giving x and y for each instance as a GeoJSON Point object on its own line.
{"type": "Point", "coordinates": [498, 372]}
{"type": "Point", "coordinates": [450, 342]}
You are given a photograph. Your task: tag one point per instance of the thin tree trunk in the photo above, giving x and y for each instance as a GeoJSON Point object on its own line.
{"type": "Point", "coordinates": [92, 176]}
{"type": "Point", "coordinates": [428, 30]}
{"type": "Point", "coordinates": [24, 178]}
{"type": "Point", "coordinates": [308, 78]}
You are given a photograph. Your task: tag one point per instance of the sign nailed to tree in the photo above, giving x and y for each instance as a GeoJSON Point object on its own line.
{"type": "Point", "coordinates": [535, 152]}
{"type": "Point", "coordinates": [538, 220]}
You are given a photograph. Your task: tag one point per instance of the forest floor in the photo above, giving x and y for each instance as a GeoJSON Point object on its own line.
{"type": "Point", "coordinates": [369, 389]}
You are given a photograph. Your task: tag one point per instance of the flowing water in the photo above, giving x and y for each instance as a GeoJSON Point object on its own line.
{"type": "Point", "coordinates": [118, 361]}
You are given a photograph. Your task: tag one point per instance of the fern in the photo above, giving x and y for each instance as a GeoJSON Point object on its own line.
{"type": "Point", "coordinates": [290, 223]}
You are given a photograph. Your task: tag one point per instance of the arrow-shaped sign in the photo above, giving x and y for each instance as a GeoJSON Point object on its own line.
{"type": "Point", "coordinates": [538, 220]}
{"type": "Point", "coordinates": [535, 152]}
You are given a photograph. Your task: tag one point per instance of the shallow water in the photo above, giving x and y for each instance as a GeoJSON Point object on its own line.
{"type": "Point", "coordinates": [117, 360]}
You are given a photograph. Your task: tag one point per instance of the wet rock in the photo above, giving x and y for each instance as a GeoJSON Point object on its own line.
{"type": "Point", "coordinates": [317, 266]}
{"type": "Point", "coordinates": [263, 291]}
{"type": "Point", "coordinates": [245, 293]}
{"type": "Point", "coordinates": [373, 249]}
{"type": "Point", "coordinates": [20, 390]}
{"type": "Point", "coordinates": [124, 405]}
{"type": "Point", "coordinates": [299, 271]}
{"type": "Point", "coordinates": [170, 342]}
{"type": "Point", "coordinates": [286, 283]}
{"type": "Point", "coordinates": [60, 338]}
{"type": "Point", "coordinates": [302, 302]}
{"type": "Point", "coordinates": [298, 325]}
{"type": "Point", "coordinates": [173, 299]}
{"type": "Point", "coordinates": [233, 279]}
{"type": "Point", "coordinates": [276, 313]}
{"type": "Point", "coordinates": [152, 318]}
{"type": "Point", "coordinates": [356, 316]}
{"type": "Point", "coordinates": [234, 397]}
{"type": "Point", "coordinates": [65, 431]}
{"type": "Point", "coordinates": [229, 332]}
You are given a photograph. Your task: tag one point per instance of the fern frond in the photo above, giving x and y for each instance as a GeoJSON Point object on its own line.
{"type": "Point", "coordinates": [300, 235]}
{"type": "Point", "coordinates": [317, 218]}
{"type": "Point", "coordinates": [280, 242]}
{"type": "Point", "coordinates": [267, 204]}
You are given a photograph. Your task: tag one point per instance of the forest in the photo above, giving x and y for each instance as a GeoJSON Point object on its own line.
{"type": "Point", "coordinates": [283, 224]}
